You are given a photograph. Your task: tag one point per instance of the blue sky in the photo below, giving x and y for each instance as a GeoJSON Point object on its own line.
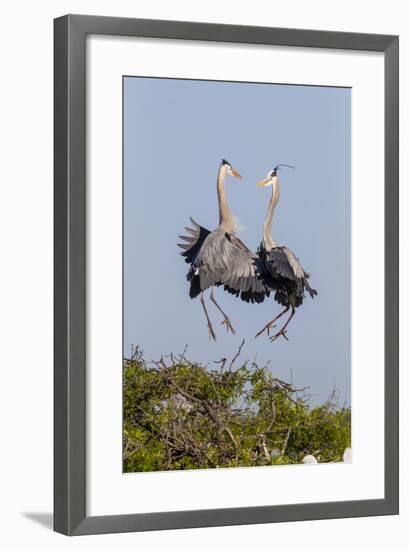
{"type": "Point", "coordinates": [175, 134]}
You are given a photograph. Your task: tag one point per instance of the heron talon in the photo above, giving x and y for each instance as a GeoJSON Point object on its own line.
{"type": "Point", "coordinates": [229, 326]}
{"type": "Point", "coordinates": [282, 333]}
{"type": "Point", "coordinates": [211, 333]}
{"type": "Point", "coordinates": [267, 328]}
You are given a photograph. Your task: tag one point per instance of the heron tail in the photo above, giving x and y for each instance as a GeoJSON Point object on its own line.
{"type": "Point", "coordinates": [312, 292]}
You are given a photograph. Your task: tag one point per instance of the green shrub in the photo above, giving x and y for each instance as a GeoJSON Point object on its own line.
{"type": "Point", "coordinates": [181, 415]}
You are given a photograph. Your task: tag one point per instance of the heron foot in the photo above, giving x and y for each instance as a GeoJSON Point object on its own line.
{"type": "Point", "coordinates": [229, 326]}
{"type": "Point", "coordinates": [268, 327]}
{"type": "Point", "coordinates": [212, 335]}
{"type": "Point", "coordinates": [282, 333]}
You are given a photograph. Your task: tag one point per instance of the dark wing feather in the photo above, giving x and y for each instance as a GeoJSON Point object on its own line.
{"type": "Point", "coordinates": [284, 273]}
{"type": "Point", "coordinates": [194, 241]}
{"type": "Point", "coordinates": [298, 271]}
{"type": "Point", "coordinates": [282, 262]}
{"type": "Point", "coordinates": [287, 275]}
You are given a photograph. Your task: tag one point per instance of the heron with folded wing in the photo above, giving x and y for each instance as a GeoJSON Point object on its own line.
{"type": "Point", "coordinates": [281, 269]}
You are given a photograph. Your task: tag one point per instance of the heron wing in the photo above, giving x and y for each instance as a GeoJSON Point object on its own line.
{"type": "Point", "coordinates": [193, 241]}
{"type": "Point", "coordinates": [225, 259]}
{"type": "Point", "coordinates": [283, 262]}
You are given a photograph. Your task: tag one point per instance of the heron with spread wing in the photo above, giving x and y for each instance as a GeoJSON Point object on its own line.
{"type": "Point", "coordinates": [219, 257]}
{"type": "Point", "coordinates": [281, 270]}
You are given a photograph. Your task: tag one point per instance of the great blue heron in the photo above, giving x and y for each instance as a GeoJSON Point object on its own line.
{"type": "Point", "coordinates": [281, 269]}
{"type": "Point", "coordinates": [219, 257]}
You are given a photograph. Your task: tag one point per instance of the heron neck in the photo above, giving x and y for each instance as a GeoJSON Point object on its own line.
{"type": "Point", "coordinates": [269, 243]}
{"type": "Point", "coordinates": [226, 218]}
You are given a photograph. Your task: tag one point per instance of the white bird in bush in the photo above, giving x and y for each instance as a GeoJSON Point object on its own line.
{"type": "Point", "coordinates": [275, 453]}
{"type": "Point", "coordinates": [309, 459]}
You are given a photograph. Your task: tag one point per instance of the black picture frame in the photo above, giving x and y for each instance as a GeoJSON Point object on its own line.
{"type": "Point", "coordinates": [70, 352]}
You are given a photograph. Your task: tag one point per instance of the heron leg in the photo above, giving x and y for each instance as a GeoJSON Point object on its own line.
{"type": "Point", "coordinates": [282, 331]}
{"type": "Point", "coordinates": [209, 323]}
{"type": "Point", "coordinates": [271, 323]}
{"type": "Point", "coordinates": [226, 321]}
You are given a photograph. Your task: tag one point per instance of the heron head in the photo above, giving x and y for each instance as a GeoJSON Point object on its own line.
{"type": "Point", "coordinates": [225, 165]}
{"type": "Point", "coordinates": [272, 177]}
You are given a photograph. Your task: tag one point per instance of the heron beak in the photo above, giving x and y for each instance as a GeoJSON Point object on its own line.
{"type": "Point", "coordinates": [235, 174]}
{"type": "Point", "coordinates": [265, 182]}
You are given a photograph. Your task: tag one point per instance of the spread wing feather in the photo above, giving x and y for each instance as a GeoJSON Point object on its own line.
{"type": "Point", "coordinates": [194, 241]}
{"type": "Point", "coordinates": [220, 258]}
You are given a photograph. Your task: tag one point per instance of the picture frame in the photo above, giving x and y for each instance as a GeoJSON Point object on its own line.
{"type": "Point", "coordinates": [70, 253]}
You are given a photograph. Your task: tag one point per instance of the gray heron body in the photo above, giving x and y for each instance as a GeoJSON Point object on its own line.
{"type": "Point", "coordinates": [281, 270]}
{"type": "Point", "coordinates": [219, 257]}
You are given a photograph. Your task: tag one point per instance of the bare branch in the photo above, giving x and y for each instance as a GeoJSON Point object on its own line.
{"type": "Point", "coordinates": [237, 355]}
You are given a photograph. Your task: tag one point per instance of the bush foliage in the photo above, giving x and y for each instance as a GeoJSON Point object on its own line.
{"type": "Point", "coordinates": [180, 415]}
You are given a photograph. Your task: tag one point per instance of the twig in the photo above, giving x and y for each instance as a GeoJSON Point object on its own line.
{"type": "Point", "coordinates": [222, 361]}
{"type": "Point", "coordinates": [182, 356]}
{"type": "Point", "coordinates": [237, 354]}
